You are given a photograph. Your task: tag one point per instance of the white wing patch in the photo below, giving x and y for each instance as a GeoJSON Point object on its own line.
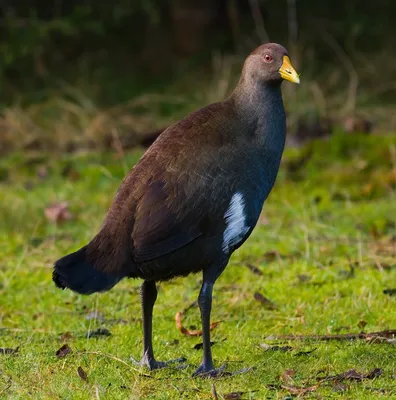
{"type": "Point", "coordinates": [235, 222]}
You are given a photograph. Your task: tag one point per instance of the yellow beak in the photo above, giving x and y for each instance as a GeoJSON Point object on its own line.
{"type": "Point", "coordinates": [287, 71]}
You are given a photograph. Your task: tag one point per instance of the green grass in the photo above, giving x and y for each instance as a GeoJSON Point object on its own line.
{"type": "Point", "coordinates": [336, 211]}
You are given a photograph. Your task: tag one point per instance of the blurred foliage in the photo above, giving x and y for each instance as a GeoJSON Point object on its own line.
{"type": "Point", "coordinates": [87, 74]}
{"type": "Point", "coordinates": [105, 43]}
{"type": "Point", "coordinates": [49, 40]}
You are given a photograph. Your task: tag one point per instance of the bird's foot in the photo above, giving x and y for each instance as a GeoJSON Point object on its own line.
{"type": "Point", "coordinates": [152, 364]}
{"type": "Point", "coordinates": [209, 371]}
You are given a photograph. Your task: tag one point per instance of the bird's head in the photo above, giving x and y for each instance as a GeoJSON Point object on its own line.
{"type": "Point", "coordinates": [270, 63]}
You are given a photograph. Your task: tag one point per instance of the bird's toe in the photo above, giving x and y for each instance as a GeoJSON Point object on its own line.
{"type": "Point", "coordinates": [208, 371]}
{"type": "Point", "coordinates": [153, 364]}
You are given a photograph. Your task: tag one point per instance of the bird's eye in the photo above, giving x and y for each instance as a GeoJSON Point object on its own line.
{"type": "Point", "coordinates": [268, 58]}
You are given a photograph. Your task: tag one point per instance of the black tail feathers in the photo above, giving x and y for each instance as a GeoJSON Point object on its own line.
{"type": "Point", "coordinates": [76, 273]}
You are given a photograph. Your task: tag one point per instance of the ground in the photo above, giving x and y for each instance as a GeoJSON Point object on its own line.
{"type": "Point", "coordinates": [317, 264]}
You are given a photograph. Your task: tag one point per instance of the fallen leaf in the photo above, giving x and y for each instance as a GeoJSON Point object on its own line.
{"type": "Point", "coordinates": [267, 303]}
{"type": "Point", "coordinates": [266, 347]}
{"type": "Point", "coordinates": [63, 351]}
{"type": "Point", "coordinates": [82, 374]}
{"type": "Point", "coordinates": [234, 395]}
{"type": "Point", "coordinates": [254, 269]}
{"type": "Point", "coordinates": [340, 387]}
{"type": "Point", "coordinates": [353, 375]}
{"type": "Point", "coordinates": [98, 332]}
{"type": "Point", "coordinates": [189, 332]}
{"type": "Point", "coordinates": [304, 353]}
{"type": "Point", "coordinates": [361, 324]}
{"type": "Point", "coordinates": [375, 373]}
{"type": "Point", "coordinates": [390, 292]}
{"type": "Point", "coordinates": [65, 336]}
{"type": "Point", "coordinates": [58, 212]}
{"type": "Point", "coordinates": [199, 346]}
{"type": "Point", "coordinates": [270, 256]}
{"type": "Point", "coordinates": [299, 391]}
{"type": "Point", "coordinates": [287, 376]}
{"type": "Point", "coordinates": [7, 350]}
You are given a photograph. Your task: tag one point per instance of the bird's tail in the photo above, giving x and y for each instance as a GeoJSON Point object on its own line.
{"type": "Point", "coordinates": [77, 273]}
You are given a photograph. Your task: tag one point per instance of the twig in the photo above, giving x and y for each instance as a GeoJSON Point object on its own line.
{"type": "Point", "coordinates": [348, 336]}
{"type": "Point", "coordinates": [214, 392]}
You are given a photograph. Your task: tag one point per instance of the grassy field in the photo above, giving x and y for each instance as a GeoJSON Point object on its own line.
{"type": "Point", "coordinates": [317, 264]}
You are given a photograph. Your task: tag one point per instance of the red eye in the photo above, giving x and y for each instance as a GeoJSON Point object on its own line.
{"type": "Point", "coordinates": [267, 58]}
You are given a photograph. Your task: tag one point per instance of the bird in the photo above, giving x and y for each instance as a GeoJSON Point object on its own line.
{"type": "Point", "coordinates": [192, 199]}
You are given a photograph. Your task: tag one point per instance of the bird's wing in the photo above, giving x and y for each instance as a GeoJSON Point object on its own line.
{"type": "Point", "coordinates": [177, 192]}
{"type": "Point", "coordinates": [187, 184]}
{"type": "Point", "coordinates": [159, 227]}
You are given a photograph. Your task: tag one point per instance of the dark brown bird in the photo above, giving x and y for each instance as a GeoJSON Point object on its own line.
{"type": "Point", "coordinates": [193, 198]}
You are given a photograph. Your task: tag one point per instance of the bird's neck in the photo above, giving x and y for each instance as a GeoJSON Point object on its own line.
{"type": "Point", "coordinates": [261, 107]}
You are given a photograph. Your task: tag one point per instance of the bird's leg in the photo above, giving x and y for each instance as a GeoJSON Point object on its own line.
{"type": "Point", "coordinates": [148, 295]}
{"type": "Point", "coordinates": [205, 306]}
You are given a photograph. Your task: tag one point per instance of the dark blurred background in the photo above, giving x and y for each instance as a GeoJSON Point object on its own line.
{"type": "Point", "coordinates": [88, 73]}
